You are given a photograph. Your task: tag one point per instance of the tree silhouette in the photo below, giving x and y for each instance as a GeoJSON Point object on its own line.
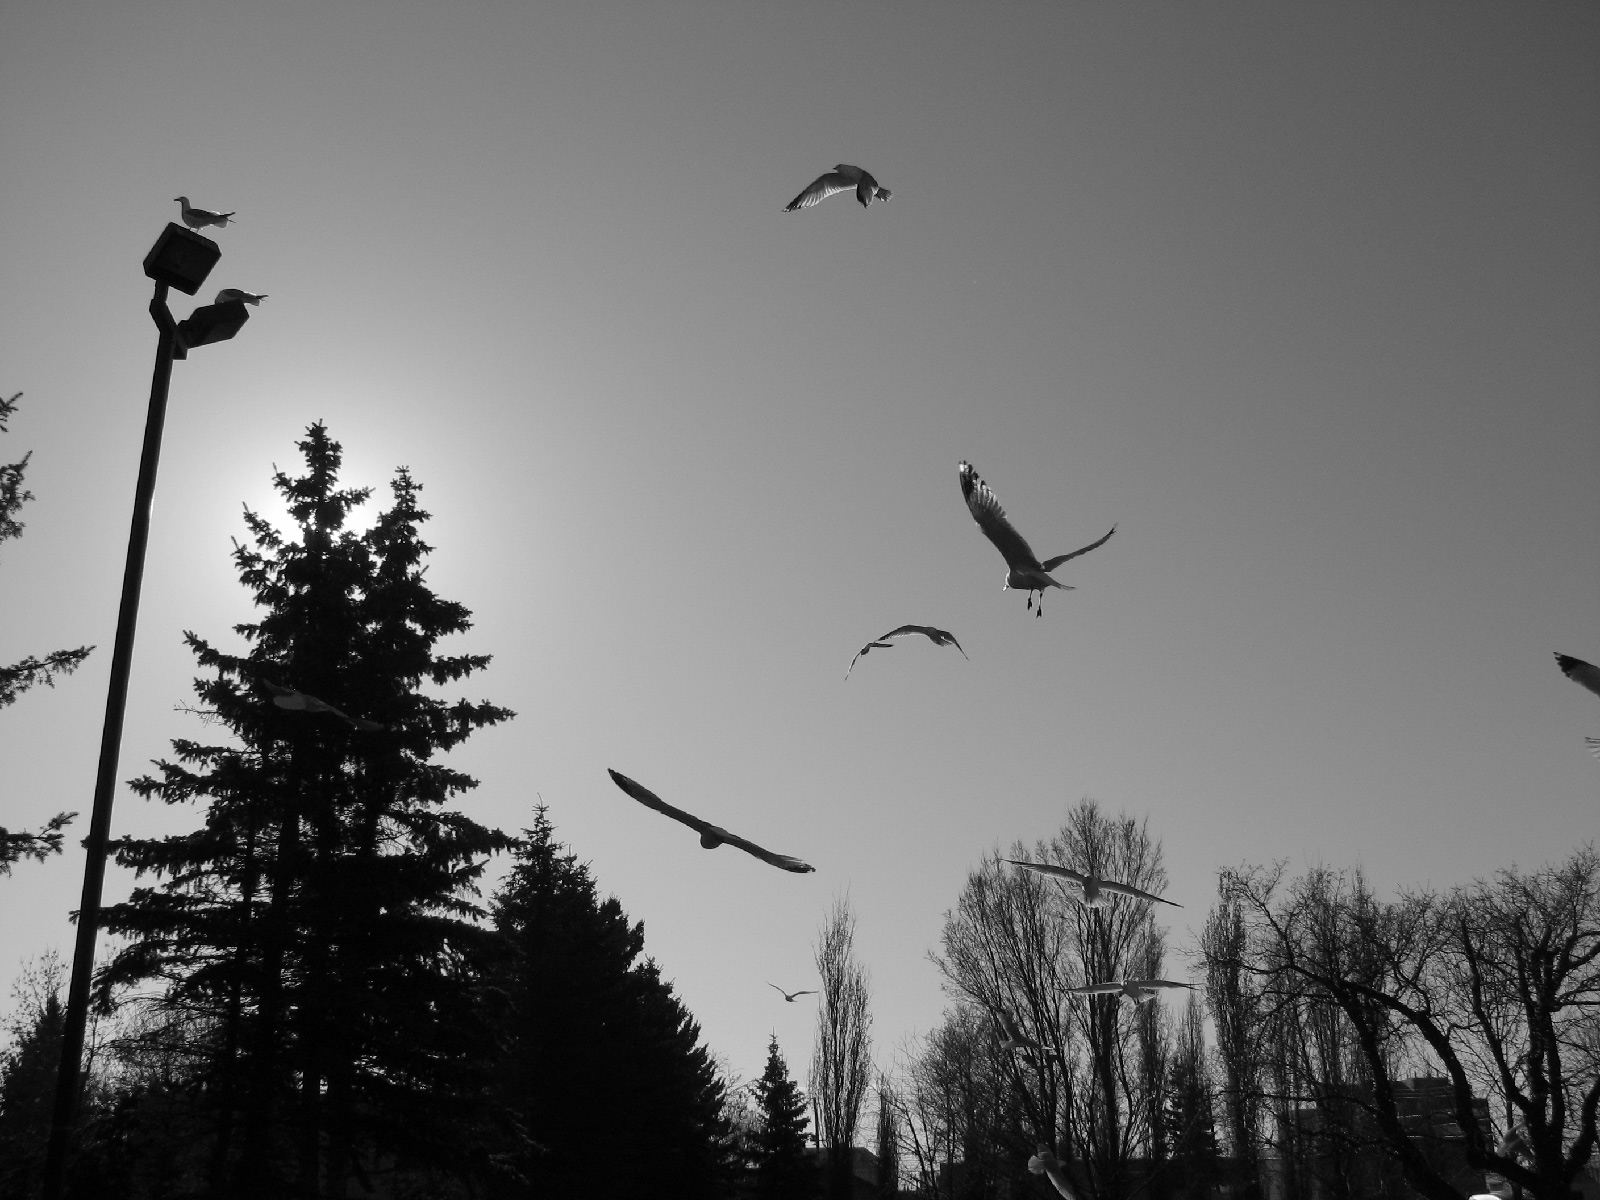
{"type": "Point", "coordinates": [783, 1170]}
{"type": "Point", "coordinates": [18, 677]}
{"type": "Point", "coordinates": [312, 934]}
{"type": "Point", "coordinates": [600, 1065]}
{"type": "Point", "coordinates": [1491, 988]}
{"type": "Point", "coordinates": [841, 1061]}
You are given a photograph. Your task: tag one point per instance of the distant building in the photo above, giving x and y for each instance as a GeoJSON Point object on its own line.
{"type": "Point", "coordinates": [1315, 1161]}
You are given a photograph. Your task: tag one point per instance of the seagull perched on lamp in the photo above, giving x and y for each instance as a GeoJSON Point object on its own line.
{"type": "Point", "coordinates": [227, 294]}
{"type": "Point", "coordinates": [843, 178]}
{"type": "Point", "coordinates": [1023, 568]}
{"type": "Point", "coordinates": [199, 218]}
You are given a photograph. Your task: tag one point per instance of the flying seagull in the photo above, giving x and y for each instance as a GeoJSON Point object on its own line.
{"type": "Point", "coordinates": [199, 218]}
{"type": "Point", "coordinates": [1585, 675]}
{"type": "Point", "coordinates": [937, 636]}
{"type": "Point", "coordinates": [711, 836]}
{"type": "Point", "coordinates": [227, 294]}
{"type": "Point", "coordinates": [1024, 570]}
{"type": "Point", "coordinates": [1097, 892]}
{"type": "Point", "coordinates": [843, 178]}
{"type": "Point", "coordinates": [1044, 1162]}
{"type": "Point", "coordinates": [303, 702]}
{"type": "Point", "coordinates": [1140, 991]}
{"type": "Point", "coordinates": [789, 996]}
{"type": "Point", "coordinates": [1012, 1039]}
{"type": "Point", "coordinates": [1515, 1142]}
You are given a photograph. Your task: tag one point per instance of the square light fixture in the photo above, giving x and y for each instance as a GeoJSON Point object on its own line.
{"type": "Point", "coordinates": [181, 258]}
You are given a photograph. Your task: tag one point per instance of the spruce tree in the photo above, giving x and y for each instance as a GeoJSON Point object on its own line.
{"type": "Point", "coordinates": [320, 919]}
{"type": "Point", "coordinates": [783, 1170]}
{"type": "Point", "coordinates": [601, 1065]}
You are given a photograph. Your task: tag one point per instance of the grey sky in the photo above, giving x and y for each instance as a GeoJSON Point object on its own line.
{"type": "Point", "coordinates": [1302, 297]}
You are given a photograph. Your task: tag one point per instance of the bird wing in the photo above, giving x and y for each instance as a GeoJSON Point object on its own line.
{"type": "Point", "coordinates": [784, 862]}
{"type": "Point", "coordinates": [1156, 983]}
{"type": "Point", "coordinates": [874, 645]}
{"type": "Point", "coordinates": [937, 636]}
{"type": "Point", "coordinates": [991, 518]}
{"type": "Point", "coordinates": [1051, 869]}
{"type": "Point", "coordinates": [1096, 989]}
{"type": "Point", "coordinates": [1008, 1025]}
{"type": "Point", "coordinates": [650, 800]}
{"type": "Point", "coordinates": [770, 984]}
{"type": "Point", "coordinates": [1050, 564]}
{"type": "Point", "coordinates": [1584, 674]}
{"type": "Point", "coordinates": [1124, 889]}
{"type": "Point", "coordinates": [820, 188]}
{"type": "Point", "coordinates": [705, 828]}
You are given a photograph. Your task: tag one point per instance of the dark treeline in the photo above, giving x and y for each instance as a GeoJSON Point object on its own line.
{"type": "Point", "coordinates": [308, 995]}
{"type": "Point", "coordinates": [311, 996]}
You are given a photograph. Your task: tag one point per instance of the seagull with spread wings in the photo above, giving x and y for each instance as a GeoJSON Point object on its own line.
{"type": "Point", "coordinates": [1024, 570]}
{"type": "Point", "coordinates": [843, 178]}
{"type": "Point", "coordinates": [789, 996]}
{"type": "Point", "coordinates": [1095, 891]}
{"type": "Point", "coordinates": [1140, 991]}
{"type": "Point", "coordinates": [937, 636]}
{"type": "Point", "coordinates": [1585, 675]}
{"type": "Point", "coordinates": [199, 218]}
{"type": "Point", "coordinates": [711, 836]}
{"type": "Point", "coordinates": [1011, 1039]}
{"type": "Point", "coordinates": [288, 698]}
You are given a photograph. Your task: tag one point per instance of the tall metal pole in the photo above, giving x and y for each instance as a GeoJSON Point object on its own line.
{"type": "Point", "coordinates": [98, 841]}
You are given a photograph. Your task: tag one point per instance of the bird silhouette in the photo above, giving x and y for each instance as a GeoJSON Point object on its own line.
{"type": "Point", "coordinates": [711, 836]}
{"type": "Point", "coordinates": [1140, 991]}
{"type": "Point", "coordinates": [843, 178]}
{"type": "Point", "coordinates": [199, 218]}
{"type": "Point", "coordinates": [1585, 675]}
{"type": "Point", "coordinates": [789, 996]}
{"type": "Point", "coordinates": [1095, 892]}
{"type": "Point", "coordinates": [227, 294]}
{"type": "Point", "coordinates": [294, 701]}
{"type": "Point", "coordinates": [1024, 570]}
{"type": "Point", "coordinates": [1011, 1038]}
{"type": "Point", "coordinates": [937, 636]}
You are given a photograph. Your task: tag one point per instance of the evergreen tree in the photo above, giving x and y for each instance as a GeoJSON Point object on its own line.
{"type": "Point", "coordinates": [18, 677]}
{"type": "Point", "coordinates": [601, 1064]}
{"type": "Point", "coordinates": [27, 1086]}
{"type": "Point", "coordinates": [783, 1170]}
{"type": "Point", "coordinates": [320, 920]}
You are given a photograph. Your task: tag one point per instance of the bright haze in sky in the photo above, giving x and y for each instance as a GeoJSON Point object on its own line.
{"type": "Point", "coordinates": [1302, 298]}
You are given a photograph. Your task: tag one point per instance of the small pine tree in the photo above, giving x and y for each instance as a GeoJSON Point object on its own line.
{"type": "Point", "coordinates": [601, 1065]}
{"type": "Point", "coordinates": [783, 1169]}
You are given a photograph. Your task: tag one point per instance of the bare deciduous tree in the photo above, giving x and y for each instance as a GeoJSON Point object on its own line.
{"type": "Point", "coordinates": [841, 1063]}
{"type": "Point", "coordinates": [1495, 986]}
{"type": "Point", "coordinates": [1015, 942]}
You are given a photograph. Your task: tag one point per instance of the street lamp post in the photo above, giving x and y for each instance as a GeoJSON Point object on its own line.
{"type": "Point", "coordinates": [180, 259]}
